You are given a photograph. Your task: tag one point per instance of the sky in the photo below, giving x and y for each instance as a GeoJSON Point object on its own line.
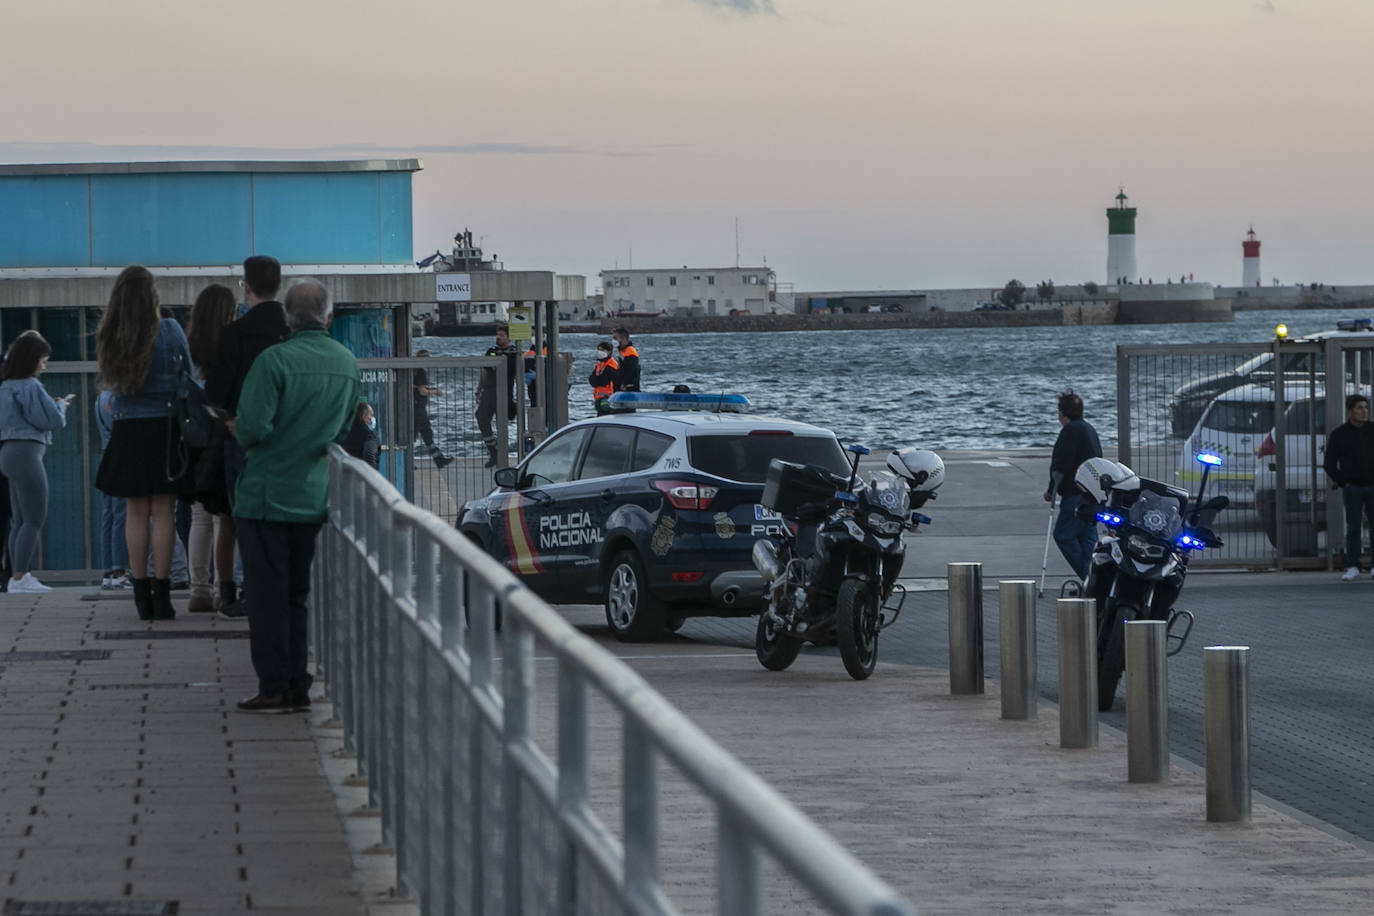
{"type": "Point", "coordinates": [862, 144]}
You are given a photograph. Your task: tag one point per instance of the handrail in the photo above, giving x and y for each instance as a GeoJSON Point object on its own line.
{"type": "Point", "coordinates": [427, 703]}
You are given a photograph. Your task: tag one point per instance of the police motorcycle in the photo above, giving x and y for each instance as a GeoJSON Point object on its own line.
{"type": "Point", "coordinates": [830, 572]}
{"type": "Point", "coordinates": [1141, 559]}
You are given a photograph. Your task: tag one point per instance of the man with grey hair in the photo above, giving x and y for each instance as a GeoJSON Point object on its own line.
{"type": "Point", "coordinates": [299, 396]}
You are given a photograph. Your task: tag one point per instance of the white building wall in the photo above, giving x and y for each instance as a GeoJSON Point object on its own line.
{"type": "Point", "coordinates": [1250, 272]}
{"type": "Point", "coordinates": [688, 290]}
{"type": "Point", "coordinates": [1121, 258]}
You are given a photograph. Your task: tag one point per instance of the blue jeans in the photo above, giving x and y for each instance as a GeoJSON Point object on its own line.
{"type": "Point", "coordinates": [1075, 537]}
{"type": "Point", "coordinates": [114, 549]}
{"type": "Point", "coordinates": [1356, 498]}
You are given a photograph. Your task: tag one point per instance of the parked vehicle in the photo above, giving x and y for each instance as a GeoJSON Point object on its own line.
{"type": "Point", "coordinates": [831, 569]}
{"type": "Point", "coordinates": [1188, 402]}
{"type": "Point", "coordinates": [1141, 558]}
{"type": "Point", "coordinates": [654, 513]}
{"type": "Point", "coordinates": [1304, 448]}
{"type": "Point", "coordinates": [1232, 426]}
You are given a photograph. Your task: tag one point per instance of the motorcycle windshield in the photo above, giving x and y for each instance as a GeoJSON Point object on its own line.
{"type": "Point", "coordinates": [888, 493]}
{"type": "Point", "coordinates": [1158, 515]}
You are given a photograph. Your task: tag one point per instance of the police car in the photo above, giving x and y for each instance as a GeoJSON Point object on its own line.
{"type": "Point", "coordinates": [652, 513]}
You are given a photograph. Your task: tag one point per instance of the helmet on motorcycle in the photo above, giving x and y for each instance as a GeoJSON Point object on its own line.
{"type": "Point", "coordinates": [921, 467]}
{"type": "Point", "coordinates": [1101, 475]}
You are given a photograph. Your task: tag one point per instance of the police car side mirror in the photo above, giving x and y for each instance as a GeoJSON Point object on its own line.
{"type": "Point", "coordinates": [507, 478]}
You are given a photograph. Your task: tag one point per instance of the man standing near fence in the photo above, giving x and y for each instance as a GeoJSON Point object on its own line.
{"type": "Point", "coordinates": [299, 396]}
{"type": "Point", "coordinates": [1077, 443]}
{"type": "Point", "coordinates": [1349, 463]}
{"type": "Point", "coordinates": [486, 393]}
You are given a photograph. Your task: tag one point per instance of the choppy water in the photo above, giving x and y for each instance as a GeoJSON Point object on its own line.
{"type": "Point", "coordinates": [938, 388]}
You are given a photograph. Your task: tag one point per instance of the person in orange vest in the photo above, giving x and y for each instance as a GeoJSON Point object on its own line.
{"type": "Point", "coordinates": [603, 377]}
{"type": "Point", "coordinates": [627, 379]}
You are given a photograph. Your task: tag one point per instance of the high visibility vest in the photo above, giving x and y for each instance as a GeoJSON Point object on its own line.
{"type": "Point", "coordinates": [604, 373]}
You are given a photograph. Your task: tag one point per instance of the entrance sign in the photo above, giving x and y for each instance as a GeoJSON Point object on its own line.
{"type": "Point", "coordinates": [453, 287]}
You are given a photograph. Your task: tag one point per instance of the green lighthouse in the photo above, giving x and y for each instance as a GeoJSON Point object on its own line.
{"type": "Point", "coordinates": [1121, 266]}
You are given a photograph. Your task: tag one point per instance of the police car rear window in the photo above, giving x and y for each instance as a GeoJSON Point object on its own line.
{"type": "Point", "coordinates": [1239, 417]}
{"type": "Point", "coordinates": [745, 458]}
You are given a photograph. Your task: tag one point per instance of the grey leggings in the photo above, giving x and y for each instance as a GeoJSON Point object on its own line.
{"type": "Point", "coordinates": [21, 460]}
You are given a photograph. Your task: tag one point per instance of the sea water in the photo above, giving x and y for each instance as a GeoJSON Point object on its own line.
{"type": "Point", "coordinates": [932, 387]}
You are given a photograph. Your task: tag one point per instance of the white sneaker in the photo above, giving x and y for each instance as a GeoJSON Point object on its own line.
{"type": "Point", "coordinates": [27, 586]}
{"type": "Point", "coordinates": [1351, 574]}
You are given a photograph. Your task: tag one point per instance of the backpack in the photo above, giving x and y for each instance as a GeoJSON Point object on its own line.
{"type": "Point", "coordinates": [191, 419]}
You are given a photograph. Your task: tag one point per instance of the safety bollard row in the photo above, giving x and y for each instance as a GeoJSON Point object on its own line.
{"type": "Point", "coordinates": [1226, 682]}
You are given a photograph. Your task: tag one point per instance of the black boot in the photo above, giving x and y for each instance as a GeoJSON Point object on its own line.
{"type": "Point", "coordinates": [143, 598]}
{"type": "Point", "coordinates": [231, 602]}
{"type": "Point", "coordinates": [162, 600]}
{"type": "Point", "coordinates": [491, 453]}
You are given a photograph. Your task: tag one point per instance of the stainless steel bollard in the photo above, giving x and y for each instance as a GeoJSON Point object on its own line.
{"type": "Point", "coordinates": [1077, 672]}
{"type": "Point", "coordinates": [1016, 601]}
{"type": "Point", "coordinates": [1147, 701]}
{"type": "Point", "coordinates": [1226, 726]}
{"type": "Point", "coordinates": [965, 628]}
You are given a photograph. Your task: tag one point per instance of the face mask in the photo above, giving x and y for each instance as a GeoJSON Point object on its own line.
{"type": "Point", "coordinates": [602, 354]}
{"type": "Point", "coordinates": [372, 423]}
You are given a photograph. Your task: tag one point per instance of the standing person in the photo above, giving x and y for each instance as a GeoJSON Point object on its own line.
{"type": "Point", "coordinates": [212, 528]}
{"type": "Point", "coordinates": [602, 378]}
{"type": "Point", "coordinates": [486, 391]}
{"type": "Point", "coordinates": [362, 442]}
{"type": "Point", "coordinates": [627, 376]}
{"type": "Point", "coordinates": [1350, 465]}
{"type": "Point", "coordinates": [240, 343]}
{"type": "Point", "coordinates": [113, 548]}
{"type": "Point", "coordinates": [1077, 443]}
{"type": "Point", "coordinates": [28, 416]}
{"type": "Point", "coordinates": [139, 354]}
{"type": "Point", "coordinates": [299, 396]}
{"type": "Point", "coordinates": [423, 392]}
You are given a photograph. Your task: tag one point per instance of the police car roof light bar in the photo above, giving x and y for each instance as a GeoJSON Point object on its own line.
{"type": "Point", "coordinates": [670, 400]}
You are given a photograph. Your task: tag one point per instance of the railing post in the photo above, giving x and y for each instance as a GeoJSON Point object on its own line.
{"type": "Point", "coordinates": [517, 706]}
{"type": "Point", "coordinates": [1016, 604]}
{"type": "Point", "coordinates": [1226, 725]}
{"type": "Point", "coordinates": [1077, 672]}
{"type": "Point", "coordinates": [965, 582]}
{"type": "Point", "coordinates": [1147, 705]}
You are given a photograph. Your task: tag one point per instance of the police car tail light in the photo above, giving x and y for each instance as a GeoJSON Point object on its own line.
{"type": "Point", "coordinates": [687, 494]}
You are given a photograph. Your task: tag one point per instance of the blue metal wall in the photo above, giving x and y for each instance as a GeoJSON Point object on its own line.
{"type": "Point", "coordinates": [192, 219]}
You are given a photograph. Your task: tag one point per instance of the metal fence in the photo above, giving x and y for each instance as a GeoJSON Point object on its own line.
{"type": "Point", "coordinates": [1269, 427]}
{"type": "Point", "coordinates": [450, 722]}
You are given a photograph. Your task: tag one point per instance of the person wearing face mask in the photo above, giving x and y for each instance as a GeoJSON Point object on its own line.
{"type": "Point", "coordinates": [627, 376]}
{"type": "Point", "coordinates": [603, 378]}
{"type": "Point", "coordinates": [361, 441]}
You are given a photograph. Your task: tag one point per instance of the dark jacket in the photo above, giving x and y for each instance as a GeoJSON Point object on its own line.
{"type": "Point", "coordinates": [1077, 443]}
{"type": "Point", "coordinates": [1350, 454]}
{"type": "Point", "coordinates": [239, 345]}
{"type": "Point", "coordinates": [627, 376]}
{"type": "Point", "coordinates": [363, 443]}
{"type": "Point", "coordinates": [486, 383]}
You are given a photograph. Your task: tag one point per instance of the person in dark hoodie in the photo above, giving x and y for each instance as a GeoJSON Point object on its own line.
{"type": "Point", "coordinates": [240, 343]}
{"type": "Point", "coordinates": [1349, 463]}
{"type": "Point", "coordinates": [1077, 443]}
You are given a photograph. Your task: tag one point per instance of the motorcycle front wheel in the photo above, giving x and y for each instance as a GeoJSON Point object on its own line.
{"type": "Point", "coordinates": [856, 623]}
{"type": "Point", "coordinates": [776, 650]}
{"type": "Point", "coordinates": [1111, 661]}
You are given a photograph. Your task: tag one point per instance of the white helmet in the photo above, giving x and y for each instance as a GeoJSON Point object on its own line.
{"type": "Point", "coordinates": [920, 467]}
{"type": "Point", "coordinates": [1099, 475]}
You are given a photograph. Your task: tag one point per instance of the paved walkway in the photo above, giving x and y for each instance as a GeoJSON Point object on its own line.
{"type": "Point", "coordinates": [130, 779]}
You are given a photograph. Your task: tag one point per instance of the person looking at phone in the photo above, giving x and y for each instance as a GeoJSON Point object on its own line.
{"type": "Point", "coordinates": [28, 416]}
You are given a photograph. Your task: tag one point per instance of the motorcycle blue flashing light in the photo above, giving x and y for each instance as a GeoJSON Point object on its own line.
{"type": "Point", "coordinates": [1208, 458]}
{"type": "Point", "coordinates": [844, 497]}
{"type": "Point", "coordinates": [920, 519]}
{"type": "Point", "coordinates": [1186, 541]}
{"type": "Point", "coordinates": [857, 449]}
{"type": "Point", "coordinates": [1109, 518]}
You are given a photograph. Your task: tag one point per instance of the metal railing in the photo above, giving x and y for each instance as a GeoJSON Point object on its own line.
{"type": "Point", "coordinates": [405, 614]}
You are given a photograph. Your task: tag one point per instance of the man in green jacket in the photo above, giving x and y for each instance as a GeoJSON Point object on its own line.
{"type": "Point", "coordinates": [298, 397]}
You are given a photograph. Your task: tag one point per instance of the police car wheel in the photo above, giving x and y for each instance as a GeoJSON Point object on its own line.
{"type": "Point", "coordinates": [631, 611]}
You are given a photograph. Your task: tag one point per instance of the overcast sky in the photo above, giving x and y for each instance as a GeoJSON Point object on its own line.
{"type": "Point", "coordinates": [860, 144]}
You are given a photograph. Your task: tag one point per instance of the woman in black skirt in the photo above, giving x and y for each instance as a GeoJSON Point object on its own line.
{"type": "Point", "coordinates": [139, 356]}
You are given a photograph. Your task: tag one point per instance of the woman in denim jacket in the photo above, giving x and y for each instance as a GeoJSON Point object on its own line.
{"type": "Point", "coordinates": [139, 355]}
{"type": "Point", "coordinates": [28, 415]}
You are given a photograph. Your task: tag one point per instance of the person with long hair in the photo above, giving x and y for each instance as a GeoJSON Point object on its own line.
{"type": "Point", "coordinates": [28, 416]}
{"type": "Point", "coordinates": [139, 354]}
{"type": "Point", "coordinates": [212, 527]}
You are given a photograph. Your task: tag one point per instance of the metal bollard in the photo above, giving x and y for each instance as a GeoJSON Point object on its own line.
{"type": "Point", "coordinates": [1016, 601]}
{"type": "Point", "coordinates": [1147, 701]}
{"type": "Point", "coordinates": [965, 628]}
{"type": "Point", "coordinates": [1226, 726]}
{"type": "Point", "coordinates": [1077, 672]}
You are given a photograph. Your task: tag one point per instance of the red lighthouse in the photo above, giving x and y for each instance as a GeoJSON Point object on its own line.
{"type": "Point", "coordinates": [1250, 273]}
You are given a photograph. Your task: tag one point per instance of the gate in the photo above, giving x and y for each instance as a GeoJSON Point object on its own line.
{"type": "Point", "coordinates": [1269, 427]}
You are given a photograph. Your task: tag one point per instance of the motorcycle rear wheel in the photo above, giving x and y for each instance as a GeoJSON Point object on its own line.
{"type": "Point", "coordinates": [856, 623]}
{"type": "Point", "coordinates": [776, 650]}
{"type": "Point", "coordinates": [1112, 661]}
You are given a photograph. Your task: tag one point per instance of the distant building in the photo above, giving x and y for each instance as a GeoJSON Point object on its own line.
{"type": "Point", "coordinates": [1250, 265]}
{"type": "Point", "coordinates": [1121, 267]}
{"type": "Point", "coordinates": [692, 290]}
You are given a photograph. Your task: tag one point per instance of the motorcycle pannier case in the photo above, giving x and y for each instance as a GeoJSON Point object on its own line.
{"type": "Point", "coordinates": [795, 490]}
